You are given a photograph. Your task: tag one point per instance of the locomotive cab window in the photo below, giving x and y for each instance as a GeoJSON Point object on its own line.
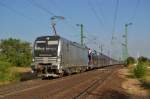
{"type": "Point", "coordinates": [46, 49]}
{"type": "Point", "coordinates": [40, 45]}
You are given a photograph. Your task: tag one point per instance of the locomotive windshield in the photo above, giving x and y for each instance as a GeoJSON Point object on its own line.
{"type": "Point", "coordinates": [46, 48]}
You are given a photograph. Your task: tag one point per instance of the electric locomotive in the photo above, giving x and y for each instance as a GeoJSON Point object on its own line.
{"type": "Point", "coordinates": [54, 56]}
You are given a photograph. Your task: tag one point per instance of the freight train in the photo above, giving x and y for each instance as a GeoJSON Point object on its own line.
{"type": "Point", "coordinates": [56, 56]}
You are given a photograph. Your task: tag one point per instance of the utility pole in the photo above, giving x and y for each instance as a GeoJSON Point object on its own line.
{"type": "Point", "coordinates": [125, 44]}
{"type": "Point", "coordinates": [81, 34]}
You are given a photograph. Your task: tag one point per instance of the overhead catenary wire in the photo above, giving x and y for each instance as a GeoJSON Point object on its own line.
{"type": "Point", "coordinates": [97, 3]}
{"type": "Point", "coordinates": [42, 8]}
{"type": "Point", "coordinates": [50, 12]}
{"type": "Point", "coordinates": [17, 12]}
{"type": "Point", "coordinates": [115, 19]}
{"type": "Point", "coordinates": [99, 19]}
{"type": "Point", "coordinates": [66, 21]}
{"type": "Point", "coordinates": [134, 11]}
{"type": "Point", "coordinates": [47, 10]}
{"type": "Point", "coordinates": [95, 13]}
{"type": "Point", "coordinates": [114, 29]}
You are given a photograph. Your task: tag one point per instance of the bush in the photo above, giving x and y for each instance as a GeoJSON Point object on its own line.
{"type": "Point", "coordinates": [7, 74]}
{"type": "Point", "coordinates": [142, 59]}
{"type": "Point", "coordinates": [4, 69]}
{"type": "Point", "coordinates": [140, 70]}
{"type": "Point", "coordinates": [130, 61]}
{"type": "Point", "coordinates": [16, 52]}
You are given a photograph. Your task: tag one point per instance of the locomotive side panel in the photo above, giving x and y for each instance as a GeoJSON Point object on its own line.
{"type": "Point", "coordinates": [74, 56]}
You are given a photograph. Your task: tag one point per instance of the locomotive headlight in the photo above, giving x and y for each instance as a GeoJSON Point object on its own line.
{"type": "Point", "coordinates": [33, 60]}
{"type": "Point", "coordinates": [47, 38]}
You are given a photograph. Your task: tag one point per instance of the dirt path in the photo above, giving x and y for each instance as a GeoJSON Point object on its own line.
{"type": "Point", "coordinates": [132, 86]}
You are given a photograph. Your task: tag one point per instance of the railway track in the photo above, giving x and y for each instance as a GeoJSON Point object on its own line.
{"type": "Point", "coordinates": [74, 86]}
{"type": "Point", "coordinates": [98, 82]}
{"type": "Point", "coordinates": [17, 87]}
{"type": "Point", "coordinates": [20, 87]}
{"type": "Point", "coordinates": [84, 88]}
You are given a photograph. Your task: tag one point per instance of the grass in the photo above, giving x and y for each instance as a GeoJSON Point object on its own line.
{"type": "Point", "coordinates": [22, 69]}
{"type": "Point", "coordinates": [9, 73]}
{"type": "Point", "coordinates": [140, 70]}
{"type": "Point", "coordinates": [142, 73]}
{"type": "Point", "coordinates": [9, 76]}
{"type": "Point", "coordinates": [146, 83]}
{"type": "Point", "coordinates": [146, 80]}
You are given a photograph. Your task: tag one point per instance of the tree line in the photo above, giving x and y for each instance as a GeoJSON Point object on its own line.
{"type": "Point", "coordinates": [13, 53]}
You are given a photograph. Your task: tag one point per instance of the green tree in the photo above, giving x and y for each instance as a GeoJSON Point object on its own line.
{"type": "Point", "coordinates": [16, 52]}
{"type": "Point", "coordinates": [143, 59]}
{"type": "Point", "coordinates": [130, 60]}
{"type": "Point", "coordinates": [140, 70]}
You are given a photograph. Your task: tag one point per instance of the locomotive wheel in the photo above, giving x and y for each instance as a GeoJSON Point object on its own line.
{"type": "Point", "coordinates": [61, 74]}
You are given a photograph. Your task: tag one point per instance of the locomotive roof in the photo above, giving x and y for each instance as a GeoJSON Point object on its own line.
{"type": "Point", "coordinates": [41, 38]}
{"type": "Point", "coordinates": [48, 37]}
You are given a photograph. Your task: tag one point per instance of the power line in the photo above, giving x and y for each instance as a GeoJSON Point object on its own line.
{"type": "Point", "coordinates": [60, 10]}
{"type": "Point", "coordinates": [134, 11]}
{"type": "Point", "coordinates": [115, 19]}
{"type": "Point", "coordinates": [113, 29]}
{"type": "Point", "coordinates": [100, 8]}
{"type": "Point", "coordinates": [16, 12]}
{"type": "Point", "coordinates": [95, 13]}
{"type": "Point", "coordinates": [41, 7]}
{"type": "Point", "coordinates": [48, 11]}
{"type": "Point", "coordinates": [66, 21]}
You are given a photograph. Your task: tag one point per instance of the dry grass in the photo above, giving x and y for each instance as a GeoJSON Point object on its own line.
{"type": "Point", "coordinates": [22, 69]}
{"type": "Point", "coordinates": [146, 80]}
{"type": "Point", "coordinates": [132, 85]}
{"type": "Point", "coordinates": [14, 74]}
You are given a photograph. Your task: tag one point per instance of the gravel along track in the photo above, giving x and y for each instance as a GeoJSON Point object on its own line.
{"type": "Point", "coordinates": [70, 87]}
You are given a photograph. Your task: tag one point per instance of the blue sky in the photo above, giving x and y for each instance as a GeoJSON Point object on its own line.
{"type": "Point", "coordinates": [28, 19]}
